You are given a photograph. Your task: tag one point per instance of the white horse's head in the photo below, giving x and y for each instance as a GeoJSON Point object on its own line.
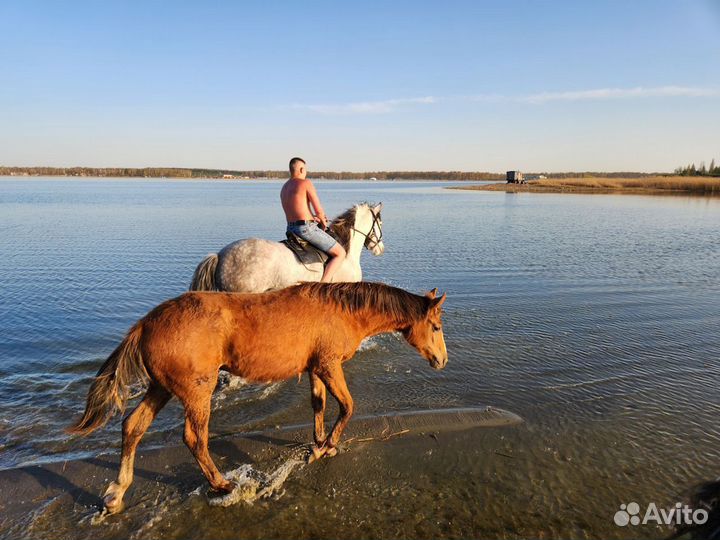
{"type": "Point", "coordinates": [361, 223]}
{"type": "Point", "coordinates": [369, 219]}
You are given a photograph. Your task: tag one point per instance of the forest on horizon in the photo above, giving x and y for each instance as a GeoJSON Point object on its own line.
{"type": "Point", "coordinates": [180, 172]}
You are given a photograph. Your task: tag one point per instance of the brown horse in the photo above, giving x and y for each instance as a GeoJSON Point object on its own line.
{"type": "Point", "coordinates": [180, 346]}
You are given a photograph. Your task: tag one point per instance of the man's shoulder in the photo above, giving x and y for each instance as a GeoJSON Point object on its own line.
{"type": "Point", "coordinates": [291, 182]}
{"type": "Point", "coordinates": [297, 181]}
{"type": "Point", "coordinates": [301, 183]}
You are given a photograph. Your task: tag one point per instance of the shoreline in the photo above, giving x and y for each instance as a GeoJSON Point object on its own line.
{"type": "Point", "coordinates": [671, 185]}
{"type": "Point", "coordinates": [447, 419]}
{"type": "Point", "coordinates": [65, 496]}
{"type": "Point", "coordinates": [231, 180]}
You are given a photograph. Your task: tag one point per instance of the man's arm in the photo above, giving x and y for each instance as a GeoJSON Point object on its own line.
{"type": "Point", "coordinates": [314, 201]}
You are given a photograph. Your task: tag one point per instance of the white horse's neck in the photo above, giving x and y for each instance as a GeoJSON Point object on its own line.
{"type": "Point", "coordinates": [363, 223]}
{"type": "Point", "coordinates": [350, 269]}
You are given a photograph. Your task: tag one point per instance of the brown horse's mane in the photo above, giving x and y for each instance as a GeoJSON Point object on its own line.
{"type": "Point", "coordinates": [354, 297]}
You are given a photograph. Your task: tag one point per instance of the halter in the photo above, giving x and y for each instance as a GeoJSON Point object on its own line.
{"type": "Point", "coordinates": [371, 236]}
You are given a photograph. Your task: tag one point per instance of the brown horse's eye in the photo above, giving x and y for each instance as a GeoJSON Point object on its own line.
{"type": "Point", "coordinates": [436, 328]}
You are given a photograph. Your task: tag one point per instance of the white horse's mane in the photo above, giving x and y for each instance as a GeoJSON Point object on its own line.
{"type": "Point", "coordinates": [343, 224]}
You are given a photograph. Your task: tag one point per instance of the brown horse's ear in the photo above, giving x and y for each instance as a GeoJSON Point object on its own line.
{"type": "Point", "coordinates": [431, 294]}
{"type": "Point", "coordinates": [437, 302]}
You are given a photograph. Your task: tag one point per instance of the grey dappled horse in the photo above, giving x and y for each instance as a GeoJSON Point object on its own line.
{"type": "Point", "coordinates": [257, 265]}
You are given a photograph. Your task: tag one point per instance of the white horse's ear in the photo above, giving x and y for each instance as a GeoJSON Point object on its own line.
{"type": "Point", "coordinates": [377, 207]}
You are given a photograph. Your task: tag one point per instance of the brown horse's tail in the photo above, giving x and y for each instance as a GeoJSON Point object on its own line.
{"type": "Point", "coordinates": [204, 276]}
{"type": "Point", "coordinates": [109, 391]}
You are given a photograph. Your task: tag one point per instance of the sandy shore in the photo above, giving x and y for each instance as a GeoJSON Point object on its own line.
{"type": "Point", "coordinates": [62, 499]}
{"type": "Point", "coordinates": [434, 474]}
{"type": "Point", "coordinates": [652, 185]}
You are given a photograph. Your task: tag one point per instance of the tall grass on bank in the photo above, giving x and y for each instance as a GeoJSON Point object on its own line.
{"type": "Point", "coordinates": [704, 185]}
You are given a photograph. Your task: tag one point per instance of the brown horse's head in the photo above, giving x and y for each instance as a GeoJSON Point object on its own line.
{"type": "Point", "coordinates": [426, 334]}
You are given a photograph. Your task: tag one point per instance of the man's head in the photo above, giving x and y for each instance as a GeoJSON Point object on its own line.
{"type": "Point", "coordinates": [297, 168]}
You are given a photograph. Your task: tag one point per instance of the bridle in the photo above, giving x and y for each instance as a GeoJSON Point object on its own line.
{"type": "Point", "coordinates": [371, 238]}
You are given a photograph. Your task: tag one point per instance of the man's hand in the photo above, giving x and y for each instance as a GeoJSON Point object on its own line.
{"type": "Point", "coordinates": [322, 221]}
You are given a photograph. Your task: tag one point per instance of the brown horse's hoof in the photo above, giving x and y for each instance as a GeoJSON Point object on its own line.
{"type": "Point", "coordinates": [320, 452]}
{"type": "Point", "coordinates": [316, 453]}
{"type": "Point", "coordinates": [112, 504]}
{"type": "Point", "coordinates": [113, 499]}
{"type": "Point", "coordinates": [213, 493]}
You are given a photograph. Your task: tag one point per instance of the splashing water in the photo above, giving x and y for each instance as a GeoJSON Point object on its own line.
{"type": "Point", "coordinates": [232, 385]}
{"type": "Point", "coordinates": [368, 344]}
{"type": "Point", "coordinates": [252, 484]}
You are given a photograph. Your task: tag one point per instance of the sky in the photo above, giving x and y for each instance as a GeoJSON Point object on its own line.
{"type": "Point", "coordinates": [361, 86]}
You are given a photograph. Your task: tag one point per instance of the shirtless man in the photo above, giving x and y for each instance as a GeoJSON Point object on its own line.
{"type": "Point", "coordinates": [304, 212]}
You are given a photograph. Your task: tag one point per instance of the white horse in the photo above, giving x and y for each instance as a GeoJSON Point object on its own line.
{"type": "Point", "coordinates": [257, 265]}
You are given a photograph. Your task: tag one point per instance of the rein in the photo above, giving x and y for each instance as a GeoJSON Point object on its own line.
{"type": "Point", "coordinates": [371, 236]}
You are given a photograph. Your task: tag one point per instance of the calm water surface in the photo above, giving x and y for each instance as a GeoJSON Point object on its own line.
{"type": "Point", "coordinates": [595, 318]}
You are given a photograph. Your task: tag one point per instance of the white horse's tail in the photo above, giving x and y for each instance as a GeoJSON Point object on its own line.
{"type": "Point", "coordinates": [204, 276]}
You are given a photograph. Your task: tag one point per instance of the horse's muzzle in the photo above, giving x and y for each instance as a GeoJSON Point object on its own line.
{"type": "Point", "coordinates": [438, 363]}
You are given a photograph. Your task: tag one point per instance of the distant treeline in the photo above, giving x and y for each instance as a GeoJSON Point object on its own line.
{"type": "Point", "coordinates": [175, 172]}
{"type": "Point", "coordinates": [407, 175]}
{"type": "Point", "coordinates": [595, 174]}
{"type": "Point", "coordinates": [691, 170]}
{"type": "Point", "coordinates": [110, 172]}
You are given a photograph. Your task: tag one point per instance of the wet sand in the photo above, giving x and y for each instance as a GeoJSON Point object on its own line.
{"type": "Point", "coordinates": [443, 474]}
{"type": "Point", "coordinates": [62, 499]}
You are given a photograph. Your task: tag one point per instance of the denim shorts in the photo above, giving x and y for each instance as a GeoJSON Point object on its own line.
{"type": "Point", "coordinates": [315, 235]}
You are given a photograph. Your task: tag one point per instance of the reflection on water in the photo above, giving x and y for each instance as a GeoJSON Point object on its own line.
{"type": "Point", "coordinates": [593, 317]}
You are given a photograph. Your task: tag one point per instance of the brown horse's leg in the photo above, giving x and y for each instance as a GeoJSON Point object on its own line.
{"type": "Point", "coordinates": [334, 379]}
{"type": "Point", "coordinates": [134, 427]}
{"type": "Point", "coordinates": [317, 388]}
{"type": "Point", "coordinates": [197, 419]}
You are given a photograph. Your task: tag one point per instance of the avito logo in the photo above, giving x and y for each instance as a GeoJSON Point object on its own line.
{"type": "Point", "coordinates": [629, 514]}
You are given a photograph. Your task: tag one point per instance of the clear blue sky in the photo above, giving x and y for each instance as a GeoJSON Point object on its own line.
{"type": "Point", "coordinates": [626, 85]}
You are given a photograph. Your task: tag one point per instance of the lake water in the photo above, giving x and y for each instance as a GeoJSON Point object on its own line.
{"type": "Point", "coordinates": [594, 318]}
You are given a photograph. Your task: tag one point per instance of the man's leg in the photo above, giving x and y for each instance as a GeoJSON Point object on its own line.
{"type": "Point", "coordinates": [324, 242]}
{"type": "Point", "coordinates": [337, 256]}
